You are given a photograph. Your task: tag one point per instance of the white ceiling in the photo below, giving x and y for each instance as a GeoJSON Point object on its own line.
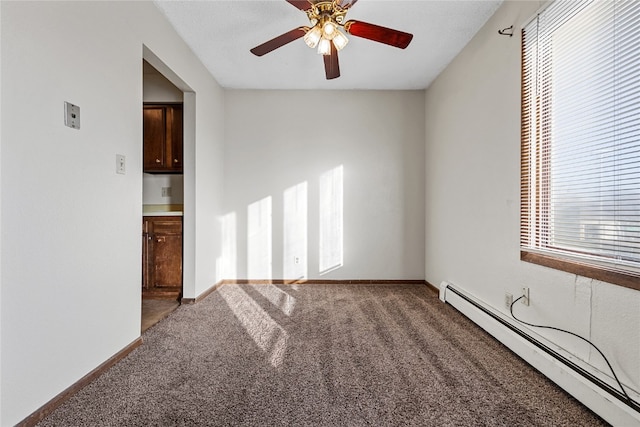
{"type": "Point", "coordinates": [222, 32]}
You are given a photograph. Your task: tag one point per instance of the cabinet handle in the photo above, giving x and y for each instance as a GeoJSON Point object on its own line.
{"type": "Point", "coordinates": [175, 160]}
{"type": "Point", "coordinates": [157, 160]}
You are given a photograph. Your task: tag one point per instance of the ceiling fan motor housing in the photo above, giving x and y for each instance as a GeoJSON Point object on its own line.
{"type": "Point", "coordinates": [324, 11]}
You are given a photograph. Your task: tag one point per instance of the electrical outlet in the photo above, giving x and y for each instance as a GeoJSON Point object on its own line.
{"type": "Point", "coordinates": [525, 294]}
{"type": "Point", "coordinates": [508, 299]}
{"type": "Point", "coordinates": [166, 191]}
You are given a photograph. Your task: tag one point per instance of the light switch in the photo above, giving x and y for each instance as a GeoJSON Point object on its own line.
{"type": "Point", "coordinates": [71, 115]}
{"type": "Point", "coordinates": [120, 164]}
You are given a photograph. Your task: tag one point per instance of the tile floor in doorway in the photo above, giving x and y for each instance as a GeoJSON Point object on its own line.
{"type": "Point", "coordinates": [154, 310]}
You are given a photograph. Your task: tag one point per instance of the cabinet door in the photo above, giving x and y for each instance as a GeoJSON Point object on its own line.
{"type": "Point", "coordinates": [155, 138]}
{"type": "Point", "coordinates": [166, 253]}
{"type": "Point", "coordinates": [175, 156]}
{"type": "Point", "coordinates": [167, 260]}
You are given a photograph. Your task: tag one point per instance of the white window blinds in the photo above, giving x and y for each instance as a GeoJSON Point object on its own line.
{"type": "Point", "coordinates": [581, 134]}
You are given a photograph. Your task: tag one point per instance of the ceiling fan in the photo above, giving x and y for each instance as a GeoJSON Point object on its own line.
{"type": "Point", "coordinates": [326, 18]}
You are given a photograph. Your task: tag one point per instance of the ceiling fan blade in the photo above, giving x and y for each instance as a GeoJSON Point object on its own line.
{"type": "Point", "coordinates": [279, 41]}
{"type": "Point", "coordinates": [346, 4]}
{"type": "Point", "coordinates": [331, 65]}
{"type": "Point", "coordinates": [379, 34]}
{"type": "Point", "coordinates": [300, 4]}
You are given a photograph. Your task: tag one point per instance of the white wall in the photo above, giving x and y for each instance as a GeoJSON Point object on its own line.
{"type": "Point", "coordinates": [70, 260]}
{"type": "Point", "coordinates": [472, 210]}
{"type": "Point", "coordinates": [0, 215]}
{"type": "Point", "coordinates": [153, 184]}
{"type": "Point", "coordinates": [156, 88]}
{"type": "Point", "coordinates": [276, 140]}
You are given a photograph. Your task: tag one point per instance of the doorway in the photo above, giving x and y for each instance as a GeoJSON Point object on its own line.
{"type": "Point", "coordinates": [163, 197]}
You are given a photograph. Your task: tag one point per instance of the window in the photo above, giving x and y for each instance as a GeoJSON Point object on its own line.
{"type": "Point", "coordinates": [580, 201]}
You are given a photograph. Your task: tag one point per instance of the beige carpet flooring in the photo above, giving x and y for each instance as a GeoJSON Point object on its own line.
{"type": "Point", "coordinates": [320, 355]}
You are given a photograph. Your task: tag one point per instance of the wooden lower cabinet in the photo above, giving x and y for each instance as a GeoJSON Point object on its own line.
{"type": "Point", "coordinates": [162, 257]}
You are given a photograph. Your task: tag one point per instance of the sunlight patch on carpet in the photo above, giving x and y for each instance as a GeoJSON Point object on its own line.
{"type": "Point", "coordinates": [278, 298]}
{"type": "Point", "coordinates": [270, 337]}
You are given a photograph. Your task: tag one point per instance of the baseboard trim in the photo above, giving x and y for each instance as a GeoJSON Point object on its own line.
{"type": "Point", "coordinates": [58, 400]}
{"type": "Point", "coordinates": [202, 295]}
{"type": "Point", "coordinates": [432, 288]}
{"type": "Point", "coordinates": [305, 282]}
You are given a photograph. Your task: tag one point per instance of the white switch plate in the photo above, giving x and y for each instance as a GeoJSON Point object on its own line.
{"type": "Point", "coordinates": [121, 164]}
{"type": "Point", "coordinates": [71, 115]}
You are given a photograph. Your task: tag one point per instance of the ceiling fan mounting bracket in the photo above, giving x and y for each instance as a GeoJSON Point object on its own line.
{"type": "Point", "coordinates": [323, 11]}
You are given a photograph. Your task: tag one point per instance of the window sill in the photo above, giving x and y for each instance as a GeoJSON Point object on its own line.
{"type": "Point", "coordinates": [586, 270]}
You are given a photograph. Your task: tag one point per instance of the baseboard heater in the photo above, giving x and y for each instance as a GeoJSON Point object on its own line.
{"type": "Point", "coordinates": [603, 399]}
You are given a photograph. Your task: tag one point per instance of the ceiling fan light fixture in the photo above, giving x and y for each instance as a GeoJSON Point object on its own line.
{"type": "Point", "coordinates": [324, 47]}
{"type": "Point", "coordinates": [329, 30]}
{"type": "Point", "coordinates": [340, 40]}
{"type": "Point", "coordinates": [312, 37]}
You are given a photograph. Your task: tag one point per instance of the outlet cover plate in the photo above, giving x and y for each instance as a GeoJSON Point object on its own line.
{"type": "Point", "coordinates": [508, 300]}
{"type": "Point", "coordinates": [121, 164]}
{"type": "Point", "coordinates": [71, 115]}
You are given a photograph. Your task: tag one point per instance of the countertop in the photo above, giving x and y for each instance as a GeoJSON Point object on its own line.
{"type": "Point", "coordinates": [162, 210]}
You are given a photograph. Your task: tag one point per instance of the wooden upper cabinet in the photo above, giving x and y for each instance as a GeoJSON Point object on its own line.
{"type": "Point", "coordinates": [162, 138]}
{"type": "Point", "coordinates": [175, 155]}
{"type": "Point", "coordinates": [155, 138]}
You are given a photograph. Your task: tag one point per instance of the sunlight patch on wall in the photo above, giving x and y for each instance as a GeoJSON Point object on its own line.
{"type": "Point", "coordinates": [259, 255]}
{"type": "Point", "coordinates": [331, 220]}
{"type": "Point", "coordinates": [294, 257]}
{"type": "Point", "coordinates": [227, 263]}
{"type": "Point", "coordinates": [270, 337]}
